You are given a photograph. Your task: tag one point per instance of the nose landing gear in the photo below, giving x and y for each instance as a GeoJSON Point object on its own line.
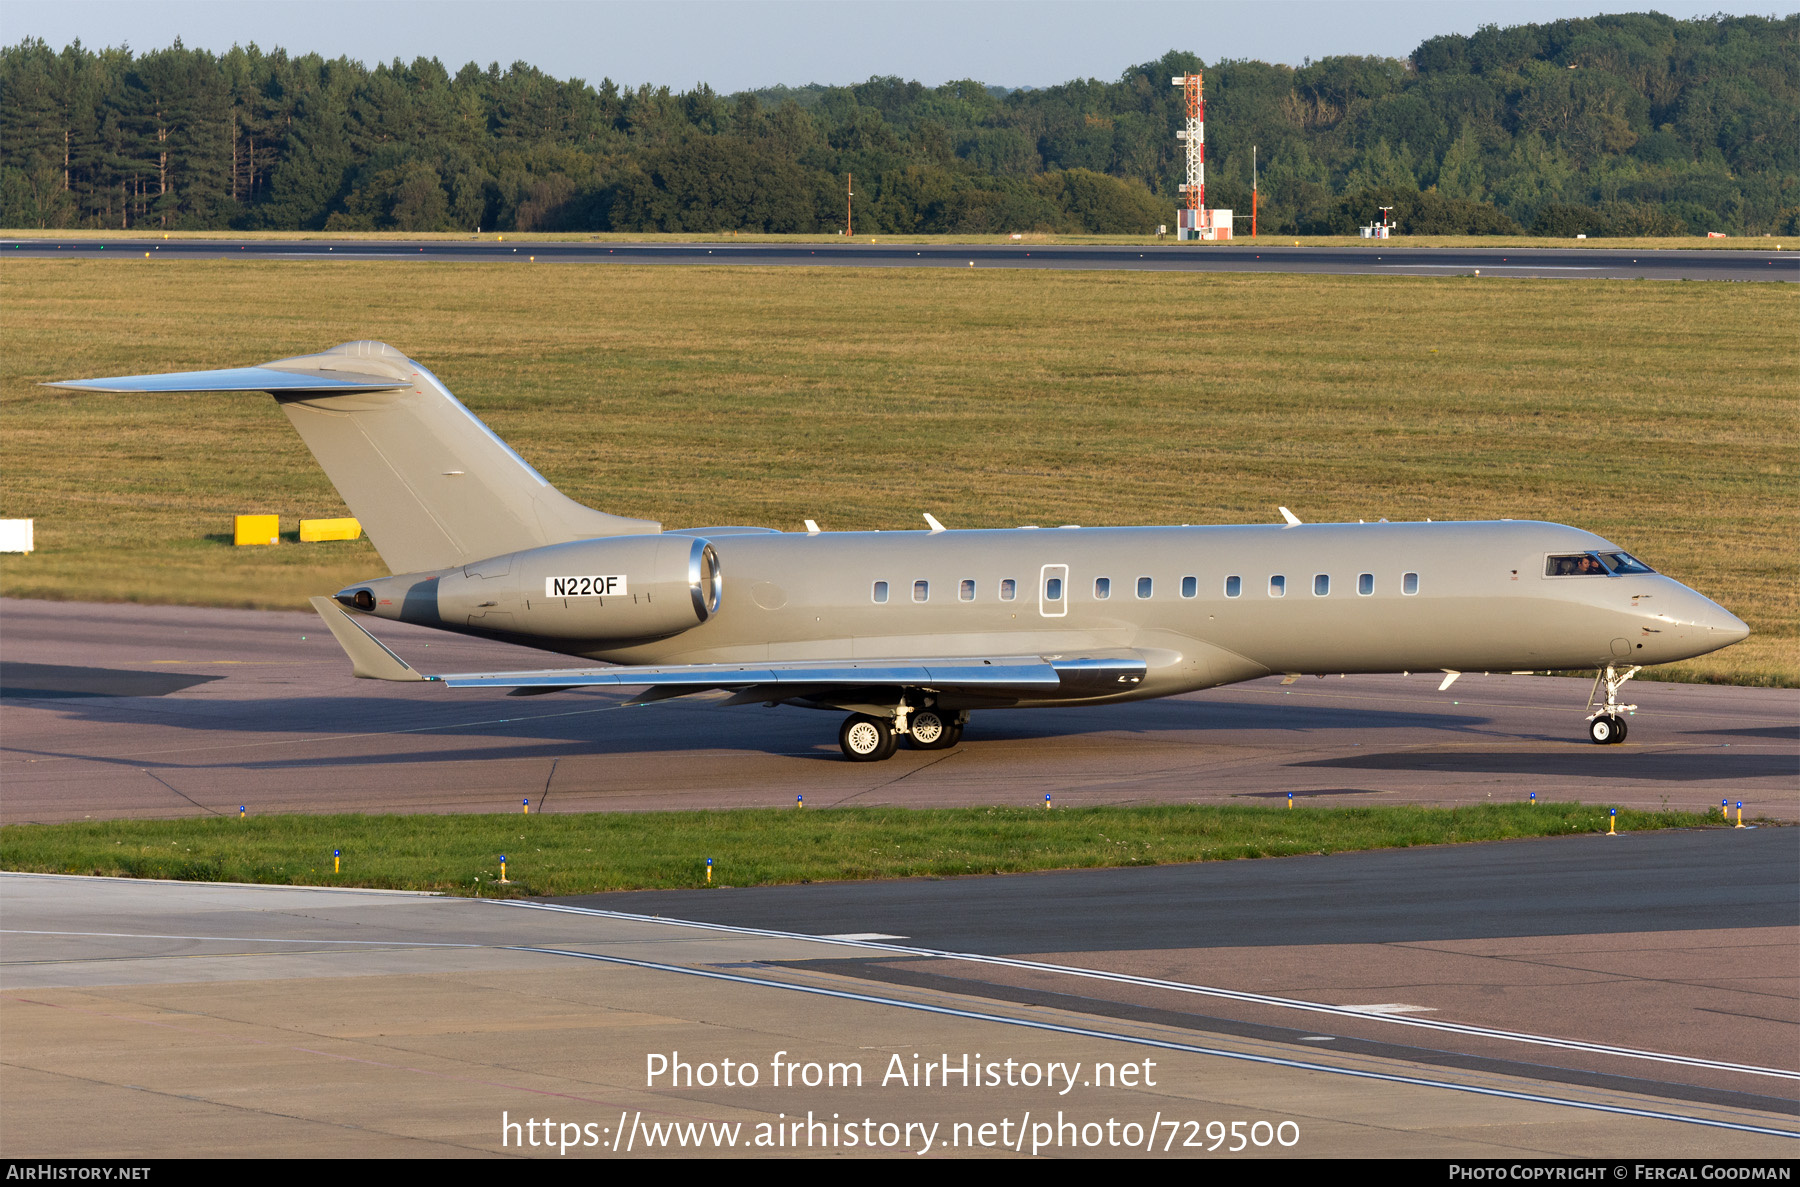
{"type": "Point", "coordinates": [1605, 729]}
{"type": "Point", "coordinates": [1606, 724]}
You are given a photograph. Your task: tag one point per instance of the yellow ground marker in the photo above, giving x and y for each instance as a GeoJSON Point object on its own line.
{"type": "Point", "coordinates": [312, 530]}
{"type": "Point", "coordinates": [257, 529]}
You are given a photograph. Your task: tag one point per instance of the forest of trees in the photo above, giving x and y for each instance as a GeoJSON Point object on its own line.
{"type": "Point", "coordinates": [1614, 125]}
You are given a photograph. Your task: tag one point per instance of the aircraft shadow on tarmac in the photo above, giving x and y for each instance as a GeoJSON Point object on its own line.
{"type": "Point", "coordinates": [1595, 763]}
{"type": "Point", "coordinates": [1789, 733]}
{"type": "Point", "coordinates": [599, 725]}
{"type": "Point", "coordinates": [57, 681]}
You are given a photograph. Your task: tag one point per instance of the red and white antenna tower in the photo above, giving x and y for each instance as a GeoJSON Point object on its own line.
{"type": "Point", "coordinates": [1193, 216]}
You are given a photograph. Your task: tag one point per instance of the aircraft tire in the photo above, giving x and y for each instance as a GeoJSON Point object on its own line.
{"type": "Point", "coordinates": [867, 739]}
{"type": "Point", "coordinates": [1606, 729]}
{"type": "Point", "coordinates": [933, 731]}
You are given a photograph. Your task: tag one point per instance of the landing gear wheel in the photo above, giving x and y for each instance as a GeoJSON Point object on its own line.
{"type": "Point", "coordinates": [867, 739]}
{"type": "Point", "coordinates": [932, 730]}
{"type": "Point", "coordinates": [1607, 725]}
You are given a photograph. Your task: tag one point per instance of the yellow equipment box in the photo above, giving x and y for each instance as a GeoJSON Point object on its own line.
{"type": "Point", "coordinates": [258, 529]}
{"type": "Point", "coordinates": [329, 529]}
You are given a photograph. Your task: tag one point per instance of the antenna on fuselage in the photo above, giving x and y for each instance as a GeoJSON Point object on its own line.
{"type": "Point", "coordinates": [812, 529]}
{"type": "Point", "coordinates": [1292, 519]}
{"type": "Point", "coordinates": [936, 527]}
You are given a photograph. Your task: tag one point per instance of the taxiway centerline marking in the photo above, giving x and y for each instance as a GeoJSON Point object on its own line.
{"type": "Point", "coordinates": [1185, 987]}
{"type": "Point", "coordinates": [421, 729]}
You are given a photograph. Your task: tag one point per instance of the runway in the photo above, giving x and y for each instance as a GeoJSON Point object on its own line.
{"type": "Point", "coordinates": [151, 711]}
{"type": "Point", "coordinates": [1387, 259]}
{"type": "Point", "coordinates": [177, 1019]}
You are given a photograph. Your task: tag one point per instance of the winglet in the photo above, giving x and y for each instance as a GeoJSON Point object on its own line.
{"type": "Point", "coordinates": [369, 657]}
{"type": "Point", "coordinates": [1289, 516]}
{"type": "Point", "coordinates": [931, 519]}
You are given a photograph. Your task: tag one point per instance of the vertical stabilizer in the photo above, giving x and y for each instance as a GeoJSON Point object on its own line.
{"type": "Point", "coordinates": [431, 484]}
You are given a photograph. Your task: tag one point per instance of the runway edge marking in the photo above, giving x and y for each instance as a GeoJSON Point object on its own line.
{"type": "Point", "coordinates": [1144, 1041]}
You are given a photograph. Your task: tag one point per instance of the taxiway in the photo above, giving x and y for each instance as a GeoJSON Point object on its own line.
{"type": "Point", "coordinates": [150, 711]}
{"type": "Point", "coordinates": [1386, 259]}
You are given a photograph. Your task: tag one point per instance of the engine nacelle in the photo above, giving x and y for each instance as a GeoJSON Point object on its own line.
{"type": "Point", "coordinates": [618, 590]}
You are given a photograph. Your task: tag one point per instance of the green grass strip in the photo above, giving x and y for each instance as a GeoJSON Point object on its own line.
{"type": "Point", "coordinates": [589, 852]}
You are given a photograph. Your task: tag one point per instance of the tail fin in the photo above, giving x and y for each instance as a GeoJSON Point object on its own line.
{"type": "Point", "coordinates": [432, 485]}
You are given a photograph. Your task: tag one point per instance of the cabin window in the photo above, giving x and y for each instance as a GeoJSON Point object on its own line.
{"type": "Point", "coordinates": [1190, 586]}
{"type": "Point", "coordinates": [1365, 584]}
{"type": "Point", "coordinates": [1053, 590]}
{"type": "Point", "coordinates": [880, 591]}
{"type": "Point", "coordinates": [1321, 584]}
{"type": "Point", "coordinates": [1102, 588]}
{"type": "Point", "coordinates": [1009, 589]}
{"type": "Point", "coordinates": [1409, 584]}
{"type": "Point", "coordinates": [966, 591]}
{"type": "Point", "coordinates": [1144, 587]}
{"type": "Point", "coordinates": [921, 591]}
{"type": "Point", "coordinates": [1277, 586]}
{"type": "Point", "coordinates": [1234, 586]}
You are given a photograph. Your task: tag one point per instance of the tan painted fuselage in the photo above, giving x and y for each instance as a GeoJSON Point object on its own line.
{"type": "Point", "coordinates": [1482, 601]}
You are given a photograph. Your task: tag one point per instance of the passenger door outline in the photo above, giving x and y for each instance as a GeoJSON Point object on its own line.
{"type": "Point", "coordinates": [1048, 607]}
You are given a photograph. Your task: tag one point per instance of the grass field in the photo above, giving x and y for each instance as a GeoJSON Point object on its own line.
{"type": "Point", "coordinates": [1662, 415]}
{"type": "Point", "coordinates": [583, 853]}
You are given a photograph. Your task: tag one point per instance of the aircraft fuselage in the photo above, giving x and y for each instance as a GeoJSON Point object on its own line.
{"type": "Point", "coordinates": [1203, 605]}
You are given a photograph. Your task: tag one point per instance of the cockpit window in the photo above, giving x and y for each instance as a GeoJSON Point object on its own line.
{"type": "Point", "coordinates": [1624, 562]}
{"type": "Point", "coordinates": [1594, 564]}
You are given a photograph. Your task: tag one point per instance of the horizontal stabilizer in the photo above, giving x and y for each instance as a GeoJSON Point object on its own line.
{"type": "Point", "coordinates": [240, 379]}
{"type": "Point", "coordinates": [431, 486]}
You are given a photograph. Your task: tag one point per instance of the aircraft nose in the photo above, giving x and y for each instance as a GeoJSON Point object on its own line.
{"type": "Point", "coordinates": [1708, 623]}
{"type": "Point", "coordinates": [1724, 625]}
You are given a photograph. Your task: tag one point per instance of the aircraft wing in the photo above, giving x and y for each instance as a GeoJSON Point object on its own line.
{"type": "Point", "coordinates": [1003, 674]}
{"type": "Point", "coordinates": [241, 379]}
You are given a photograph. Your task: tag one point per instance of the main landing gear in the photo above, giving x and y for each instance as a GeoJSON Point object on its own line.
{"type": "Point", "coordinates": [1606, 724]}
{"type": "Point", "coordinates": [865, 737]}
{"type": "Point", "coordinates": [932, 730]}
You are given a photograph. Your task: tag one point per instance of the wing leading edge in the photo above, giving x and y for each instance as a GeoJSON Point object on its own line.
{"type": "Point", "coordinates": [1027, 674]}
{"type": "Point", "coordinates": [241, 379]}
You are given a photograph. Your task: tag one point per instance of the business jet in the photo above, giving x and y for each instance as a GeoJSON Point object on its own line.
{"type": "Point", "coordinates": [908, 633]}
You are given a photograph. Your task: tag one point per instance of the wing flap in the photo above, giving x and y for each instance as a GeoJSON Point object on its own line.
{"type": "Point", "coordinates": [1025, 672]}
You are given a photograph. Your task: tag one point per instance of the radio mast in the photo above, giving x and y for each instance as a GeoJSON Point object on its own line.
{"type": "Point", "coordinates": [1192, 217]}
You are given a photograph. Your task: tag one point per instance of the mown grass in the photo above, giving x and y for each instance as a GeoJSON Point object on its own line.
{"type": "Point", "coordinates": [1662, 415]}
{"type": "Point", "coordinates": [589, 852]}
{"type": "Point", "coordinates": [1650, 243]}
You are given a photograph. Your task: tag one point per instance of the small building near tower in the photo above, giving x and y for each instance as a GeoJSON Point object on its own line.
{"type": "Point", "coordinates": [1212, 224]}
